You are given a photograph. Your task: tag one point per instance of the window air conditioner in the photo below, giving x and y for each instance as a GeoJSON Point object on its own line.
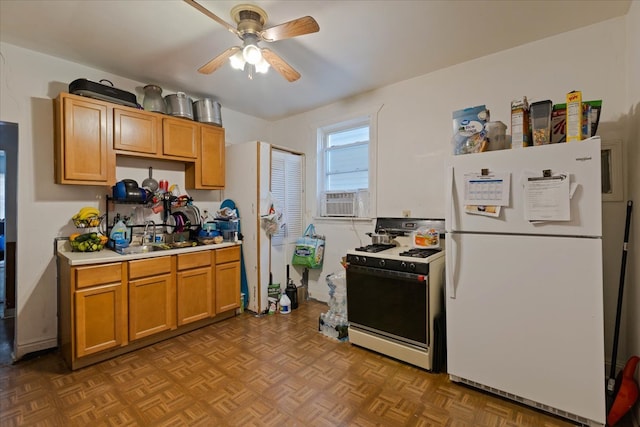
{"type": "Point", "coordinates": [344, 203]}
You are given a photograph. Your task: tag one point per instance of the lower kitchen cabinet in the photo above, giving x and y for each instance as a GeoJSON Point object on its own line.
{"type": "Point", "coordinates": [98, 309]}
{"type": "Point", "coordinates": [195, 287]}
{"type": "Point", "coordinates": [152, 296]}
{"type": "Point", "coordinates": [227, 279]}
{"type": "Point", "coordinates": [99, 319]}
{"type": "Point", "coordinates": [108, 309]}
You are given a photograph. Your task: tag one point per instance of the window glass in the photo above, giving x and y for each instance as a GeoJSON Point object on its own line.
{"type": "Point", "coordinates": [344, 164]}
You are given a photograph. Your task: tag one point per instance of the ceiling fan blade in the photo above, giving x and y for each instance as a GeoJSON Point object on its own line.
{"type": "Point", "coordinates": [297, 27]}
{"type": "Point", "coordinates": [280, 65]}
{"type": "Point", "coordinates": [213, 16]}
{"type": "Point", "coordinates": [217, 62]}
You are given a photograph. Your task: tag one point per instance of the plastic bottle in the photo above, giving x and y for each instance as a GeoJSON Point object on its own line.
{"type": "Point", "coordinates": [285, 304]}
{"type": "Point", "coordinates": [119, 236]}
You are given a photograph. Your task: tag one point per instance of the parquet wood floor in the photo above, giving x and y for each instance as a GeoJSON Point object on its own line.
{"type": "Point", "coordinates": [249, 371]}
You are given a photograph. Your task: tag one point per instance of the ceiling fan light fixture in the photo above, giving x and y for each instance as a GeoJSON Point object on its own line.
{"type": "Point", "coordinates": [262, 66]}
{"type": "Point", "coordinates": [252, 54]}
{"type": "Point", "coordinates": [237, 61]}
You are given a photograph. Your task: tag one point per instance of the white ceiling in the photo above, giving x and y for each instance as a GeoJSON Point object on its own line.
{"type": "Point", "coordinates": [362, 45]}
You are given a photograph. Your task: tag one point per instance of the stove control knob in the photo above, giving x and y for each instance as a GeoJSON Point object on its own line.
{"type": "Point", "coordinates": [356, 259]}
{"type": "Point", "coordinates": [381, 263]}
{"type": "Point", "coordinates": [364, 260]}
{"type": "Point", "coordinates": [412, 266]}
{"type": "Point", "coordinates": [403, 265]}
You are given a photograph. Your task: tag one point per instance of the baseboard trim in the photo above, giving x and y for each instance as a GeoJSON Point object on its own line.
{"type": "Point", "coordinates": [9, 313]}
{"type": "Point", "coordinates": [22, 350]}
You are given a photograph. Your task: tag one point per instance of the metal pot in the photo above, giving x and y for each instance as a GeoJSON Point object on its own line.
{"type": "Point", "coordinates": [179, 104]}
{"type": "Point", "coordinates": [380, 238]}
{"type": "Point", "coordinates": [207, 110]}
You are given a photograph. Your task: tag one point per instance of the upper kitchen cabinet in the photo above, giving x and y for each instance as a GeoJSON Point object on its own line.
{"type": "Point", "coordinates": [208, 171]}
{"type": "Point", "coordinates": [136, 132]}
{"type": "Point", "coordinates": [89, 133]}
{"type": "Point", "coordinates": [180, 138]}
{"type": "Point", "coordinates": [83, 153]}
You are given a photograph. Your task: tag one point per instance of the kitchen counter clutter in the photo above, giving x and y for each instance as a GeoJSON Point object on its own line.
{"type": "Point", "coordinates": [110, 304]}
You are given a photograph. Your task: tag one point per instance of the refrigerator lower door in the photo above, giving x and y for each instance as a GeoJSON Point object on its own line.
{"type": "Point", "coordinates": [527, 319]}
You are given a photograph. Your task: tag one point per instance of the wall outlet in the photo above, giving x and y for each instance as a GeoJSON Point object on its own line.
{"type": "Point", "coordinates": [406, 213]}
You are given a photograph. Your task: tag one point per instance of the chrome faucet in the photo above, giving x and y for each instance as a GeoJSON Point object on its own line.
{"type": "Point", "coordinates": [146, 227]}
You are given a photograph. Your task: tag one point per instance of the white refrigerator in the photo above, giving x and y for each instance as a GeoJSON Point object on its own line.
{"type": "Point", "coordinates": [524, 288]}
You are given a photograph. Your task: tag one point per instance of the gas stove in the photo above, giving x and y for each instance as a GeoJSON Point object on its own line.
{"type": "Point", "coordinates": [401, 255]}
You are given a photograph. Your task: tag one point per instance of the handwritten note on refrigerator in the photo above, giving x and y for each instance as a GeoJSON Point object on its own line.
{"type": "Point", "coordinates": [547, 198]}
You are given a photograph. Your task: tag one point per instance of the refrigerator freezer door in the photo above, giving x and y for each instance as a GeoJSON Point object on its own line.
{"type": "Point", "coordinates": [581, 160]}
{"type": "Point", "coordinates": [527, 319]}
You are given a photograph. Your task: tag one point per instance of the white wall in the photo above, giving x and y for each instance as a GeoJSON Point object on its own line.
{"type": "Point", "coordinates": [415, 128]}
{"type": "Point", "coordinates": [28, 83]}
{"type": "Point", "coordinates": [632, 282]}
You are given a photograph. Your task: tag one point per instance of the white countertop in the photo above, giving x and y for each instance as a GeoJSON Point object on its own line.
{"type": "Point", "coordinates": [107, 255]}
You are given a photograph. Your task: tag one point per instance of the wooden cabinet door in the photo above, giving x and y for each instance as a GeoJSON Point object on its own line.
{"type": "Point", "coordinates": [151, 305]}
{"type": "Point", "coordinates": [227, 286]}
{"type": "Point", "coordinates": [136, 131]}
{"type": "Point", "coordinates": [83, 149]}
{"type": "Point", "coordinates": [100, 319]}
{"type": "Point", "coordinates": [180, 138]}
{"type": "Point", "coordinates": [195, 295]}
{"type": "Point", "coordinates": [209, 168]}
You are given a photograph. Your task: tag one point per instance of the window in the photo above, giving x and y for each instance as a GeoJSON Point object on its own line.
{"type": "Point", "coordinates": [345, 168]}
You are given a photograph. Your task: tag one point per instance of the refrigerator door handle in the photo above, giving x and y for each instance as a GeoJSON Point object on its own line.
{"type": "Point", "coordinates": [449, 196]}
{"type": "Point", "coordinates": [450, 260]}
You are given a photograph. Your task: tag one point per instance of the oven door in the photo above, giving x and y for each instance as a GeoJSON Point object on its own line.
{"type": "Point", "coordinates": [389, 303]}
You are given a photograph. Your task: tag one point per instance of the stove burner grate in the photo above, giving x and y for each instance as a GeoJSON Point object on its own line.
{"type": "Point", "coordinates": [375, 248]}
{"type": "Point", "coordinates": [419, 253]}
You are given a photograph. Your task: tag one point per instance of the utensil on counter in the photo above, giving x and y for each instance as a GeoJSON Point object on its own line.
{"type": "Point", "coordinates": [150, 183]}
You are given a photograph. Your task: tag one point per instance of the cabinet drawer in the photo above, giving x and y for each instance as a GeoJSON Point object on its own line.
{"type": "Point", "coordinates": [98, 275]}
{"type": "Point", "coordinates": [193, 260]}
{"type": "Point", "coordinates": [227, 254]}
{"type": "Point", "coordinates": [149, 267]}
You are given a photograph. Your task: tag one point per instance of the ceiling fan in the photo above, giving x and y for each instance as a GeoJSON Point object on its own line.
{"type": "Point", "coordinates": [250, 20]}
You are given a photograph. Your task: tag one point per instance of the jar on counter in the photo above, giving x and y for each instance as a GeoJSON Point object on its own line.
{"type": "Point", "coordinates": [153, 100]}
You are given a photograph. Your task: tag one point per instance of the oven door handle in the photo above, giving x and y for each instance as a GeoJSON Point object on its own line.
{"type": "Point", "coordinates": [381, 272]}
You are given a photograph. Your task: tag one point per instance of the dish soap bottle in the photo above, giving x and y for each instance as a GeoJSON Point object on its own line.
{"type": "Point", "coordinates": [119, 237]}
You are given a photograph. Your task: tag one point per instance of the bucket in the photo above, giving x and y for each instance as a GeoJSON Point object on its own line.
{"type": "Point", "coordinates": [207, 110]}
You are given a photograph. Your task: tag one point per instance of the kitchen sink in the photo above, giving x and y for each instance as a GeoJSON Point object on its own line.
{"type": "Point", "coordinates": [137, 248]}
{"type": "Point", "coordinates": [141, 249]}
